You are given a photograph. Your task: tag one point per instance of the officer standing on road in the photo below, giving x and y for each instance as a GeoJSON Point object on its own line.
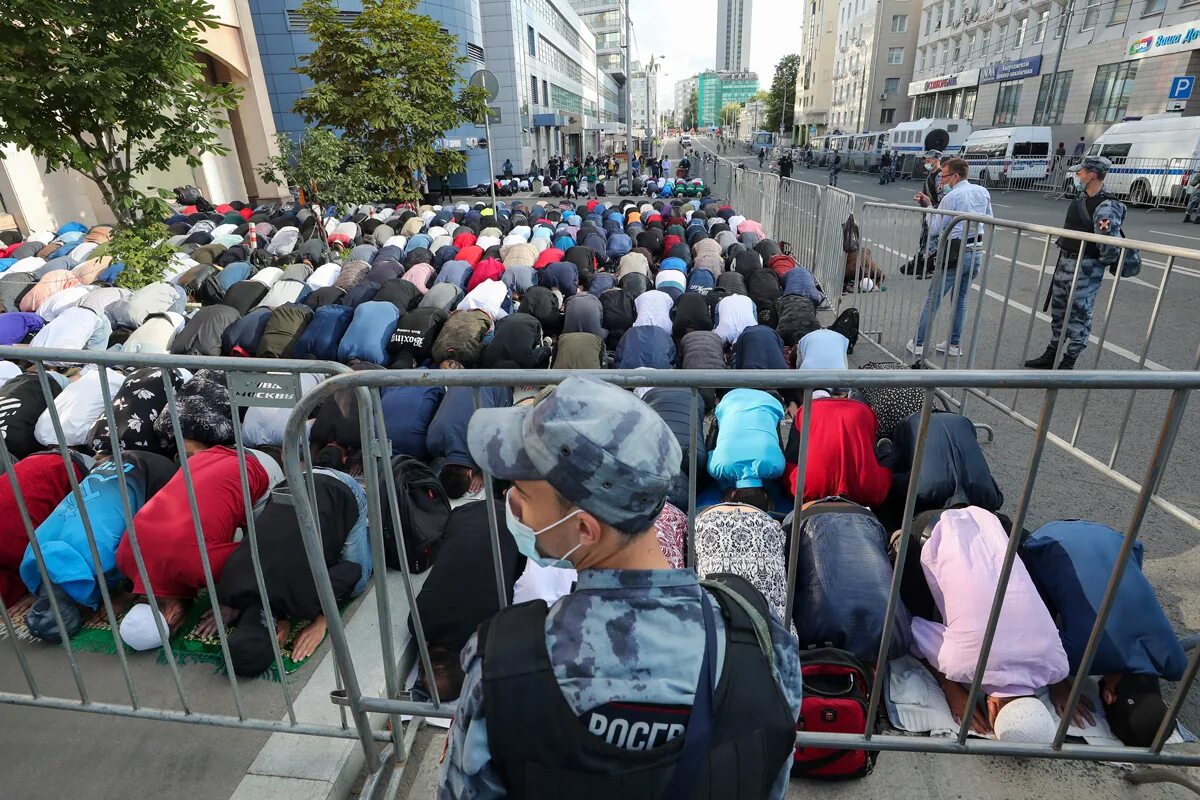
{"type": "Point", "coordinates": [1093, 210]}
{"type": "Point", "coordinates": [928, 197]}
{"type": "Point", "coordinates": [835, 167]}
{"type": "Point", "coordinates": [621, 689]}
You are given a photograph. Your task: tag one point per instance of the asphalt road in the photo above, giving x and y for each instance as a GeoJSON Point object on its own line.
{"type": "Point", "coordinates": [1002, 306]}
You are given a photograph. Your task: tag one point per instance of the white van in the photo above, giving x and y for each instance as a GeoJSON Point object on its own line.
{"type": "Point", "coordinates": [908, 138]}
{"type": "Point", "coordinates": [1153, 157]}
{"type": "Point", "coordinates": [1008, 155]}
{"type": "Point", "coordinates": [685, 141]}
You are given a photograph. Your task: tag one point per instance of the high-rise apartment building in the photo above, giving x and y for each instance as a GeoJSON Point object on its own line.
{"type": "Point", "coordinates": [733, 34]}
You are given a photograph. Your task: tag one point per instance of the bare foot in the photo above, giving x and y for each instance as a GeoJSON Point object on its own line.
{"type": "Point", "coordinates": [283, 629]}
{"type": "Point", "coordinates": [309, 639]}
{"type": "Point", "coordinates": [956, 698]}
{"type": "Point", "coordinates": [21, 606]}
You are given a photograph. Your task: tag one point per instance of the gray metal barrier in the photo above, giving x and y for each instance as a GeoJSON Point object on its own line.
{"type": "Point", "coordinates": [830, 265]}
{"type": "Point", "coordinates": [1049, 387]}
{"type": "Point", "coordinates": [1006, 321]}
{"type": "Point", "coordinates": [797, 219]}
{"type": "Point", "coordinates": [252, 383]}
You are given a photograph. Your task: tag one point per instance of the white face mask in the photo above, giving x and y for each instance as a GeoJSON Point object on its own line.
{"type": "Point", "coordinates": [928, 167]}
{"type": "Point", "coordinates": [1079, 182]}
{"type": "Point", "coordinates": [526, 538]}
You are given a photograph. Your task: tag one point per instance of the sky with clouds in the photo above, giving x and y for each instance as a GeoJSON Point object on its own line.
{"type": "Point", "coordinates": [686, 33]}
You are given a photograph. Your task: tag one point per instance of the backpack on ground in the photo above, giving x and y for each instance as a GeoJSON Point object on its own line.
{"type": "Point", "coordinates": [837, 688]}
{"type": "Point", "coordinates": [847, 325]}
{"type": "Point", "coordinates": [423, 511]}
{"type": "Point", "coordinates": [850, 235]}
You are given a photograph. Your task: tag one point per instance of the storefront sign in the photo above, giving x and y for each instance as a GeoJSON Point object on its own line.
{"type": "Point", "coordinates": [1175, 39]}
{"type": "Point", "coordinates": [944, 83]}
{"type": "Point", "coordinates": [1011, 70]}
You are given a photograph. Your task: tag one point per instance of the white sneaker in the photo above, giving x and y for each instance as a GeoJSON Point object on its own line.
{"type": "Point", "coordinates": [955, 350]}
{"type": "Point", "coordinates": [916, 349]}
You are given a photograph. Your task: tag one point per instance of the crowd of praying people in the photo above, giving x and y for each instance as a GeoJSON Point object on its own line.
{"type": "Point", "coordinates": [103, 497]}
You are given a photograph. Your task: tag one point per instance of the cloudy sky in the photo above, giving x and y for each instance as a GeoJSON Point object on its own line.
{"type": "Point", "coordinates": [686, 33]}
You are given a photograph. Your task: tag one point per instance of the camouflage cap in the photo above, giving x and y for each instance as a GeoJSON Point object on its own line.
{"type": "Point", "coordinates": [1097, 164]}
{"type": "Point", "coordinates": [933, 154]}
{"type": "Point", "coordinates": [599, 446]}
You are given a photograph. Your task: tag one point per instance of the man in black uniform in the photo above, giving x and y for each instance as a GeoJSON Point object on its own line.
{"type": "Point", "coordinates": [928, 197]}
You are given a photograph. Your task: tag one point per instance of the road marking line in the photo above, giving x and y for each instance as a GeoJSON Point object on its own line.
{"type": "Point", "coordinates": [1178, 235]}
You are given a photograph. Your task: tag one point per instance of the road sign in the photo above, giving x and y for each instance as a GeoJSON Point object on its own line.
{"type": "Point", "coordinates": [1181, 87]}
{"type": "Point", "coordinates": [486, 79]}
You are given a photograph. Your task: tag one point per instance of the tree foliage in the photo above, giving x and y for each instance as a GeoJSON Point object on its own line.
{"type": "Point", "coordinates": [330, 170]}
{"type": "Point", "coordinates": [781, 99]}
{"type": "Point", "coordinates": [143, 249]}
{"type": "Point", "coordinates": [387, 79]}
{"type": "Point", "coordinates": [729, 114]}
{"type": "Point", "coordinates": [691, 114]}
{"type": "Point", "coordinates": [111, 89]}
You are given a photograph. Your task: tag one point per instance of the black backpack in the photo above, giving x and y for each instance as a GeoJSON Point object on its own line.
{"type": "Point", "coordinates": [850, 236]}
{"type": "Point", "coordinates": [847, 325]}
{"type": "Point", "coordinates": [423, 511]}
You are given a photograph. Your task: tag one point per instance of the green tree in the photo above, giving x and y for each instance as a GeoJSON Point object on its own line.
{"type": "Point", "coordinates": [111, 89]}
{"type": "Point", "coordinates": [782, 96]}
{"type": "Point", "coordinates": [387, 78]}
{"type": "Point", "coordinates": [691, 115]}
{"type": "Point", "coordinates": [330, 170]}
{"type": "Point", "coordinates": [729, 114]}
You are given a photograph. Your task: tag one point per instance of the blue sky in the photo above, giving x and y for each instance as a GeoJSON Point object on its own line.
{"type": "Point", "coordinates": [688, 38]}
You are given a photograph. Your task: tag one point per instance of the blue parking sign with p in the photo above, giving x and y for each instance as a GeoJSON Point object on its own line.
{"type": "Point", "coordinates": [1181, 87]}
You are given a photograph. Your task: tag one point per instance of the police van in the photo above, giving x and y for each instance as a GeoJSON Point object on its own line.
{"type": "Point", "coordinates": [1008, 155]}
{"type": "Point", "coordinates": [910, 137]}
{"type": "Point", "coordinates": [1153, 157]}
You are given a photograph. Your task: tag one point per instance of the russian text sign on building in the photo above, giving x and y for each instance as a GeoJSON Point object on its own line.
{"type": "Point", "coordinates": [943, 83]}
{"type": "Point", "coordinates": [1175, 39]}
{"type": "Point", "coordinates": [1011, 70]}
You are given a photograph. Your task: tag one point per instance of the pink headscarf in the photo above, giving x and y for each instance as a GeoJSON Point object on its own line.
{"type": "Point", "coordinates": [419, 276]}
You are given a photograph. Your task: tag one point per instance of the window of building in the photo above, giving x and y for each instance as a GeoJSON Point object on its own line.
{"type": "Point", "coordinates": [1019, 36]}
{"type": "Point", "coordinates": [1120, 12]}
{"type": "Point", "coordinates": [924, 106]}
{"type": "Point", "coordinates": [928, 21]}
{"type": "Point", "coordinates": [1153, 7]}
{"type": "Point", "coordinates": [957, 50]}
{"type": "Point", "coordinates": [945, 52]}
{"type": "Point", "coordinates": [950, 13]}
{"type": "Point", "coordinates": [1091, 15]}
{"type": "Point", "coordinates": [895, 55]}
{"type": "Point", "coordinates": [899, 23]}
{"type": "Point", "coordinates": [1003, 34]}
{"type": "Point", "coordinates": [474, 52]}
{"type": "Point", "coordinates": [1007, 101]}
{"type": "Point", "coordinates": [532, 37]}
{"type": "Point", "coordinates": [924, 53]}
{"type": "Point", "coordinates": [985, 38]}
{"type": "Point", "coordinates": [1052, 98]}
{"type": "Point", "coordinates": [968, 104]}
{"type": "Point", "coordinates": [1110, 92]}
{"type": "Point", "coordinates": [887, 116]}
{"type": "Point", "coordinates": [533, 95]}
{"type": "Point", "coordinates": [891, 86]}
{"type": "Point", "coordinates": [971, 45]}
{"type": "Point", "coordinates": [545, 93]}
{"type": "Point", "coordinates": [1039, 32]}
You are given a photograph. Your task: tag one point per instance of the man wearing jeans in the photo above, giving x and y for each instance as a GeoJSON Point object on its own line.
{"type": "Point", "coordinates": [959, 196]}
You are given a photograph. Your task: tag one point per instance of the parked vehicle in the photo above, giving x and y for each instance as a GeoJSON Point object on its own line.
{"type": "Point", "coordinates": [1153, 157]}
{"type": "Point", "coordinates": [1003, 156]}
{"type": "Point", "coordinates": [914, 137]}
{"type": "Point", "coordinates": [864, 151]}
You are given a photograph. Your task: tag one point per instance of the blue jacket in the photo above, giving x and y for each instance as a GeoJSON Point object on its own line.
{"type": "Point", "coordinates": [954, 469]}
{"type": "Point", "coordinates": [456, 272]}
{"type": "Point", "coordinates": [645, 346]}
{"type": "Point", "coordinates": [407, 412]}
{"type": "Point", "coordinates": [800, 281]}
{"type": "Point", "coordinates": [369, 333]}
{"type": "Point", "coordinates": [759, 347]}
{"type": "Point", "coordinates": [1070, 562]}
{"type": "Point", "coordinates": [747, 452]}
{"type": "Point", "coordinates": [320, 339]}
{"type": "Point", "coordinates": [561, 275]}
{"type": "Point", "coordinates": [447, 434]}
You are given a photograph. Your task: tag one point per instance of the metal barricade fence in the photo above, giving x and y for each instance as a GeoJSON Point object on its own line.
{"type": "Point", "coordinates": [830, 264]}
{"type": "Point", "coordinates": [797, 219]}
{"type": "Point", "coordinates": [1049, 387]}
{"type": "Point", "coordinates": [252, 383]}
{"type": "Point", "coordinates": [1005, 321]}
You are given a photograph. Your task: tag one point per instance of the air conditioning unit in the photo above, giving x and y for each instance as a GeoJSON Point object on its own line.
{"type": "Point", "coordinates": [883, 95]}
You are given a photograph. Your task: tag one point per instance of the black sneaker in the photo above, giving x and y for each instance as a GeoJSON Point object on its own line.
{"type": "Point", "coordinates": [1068, 362]}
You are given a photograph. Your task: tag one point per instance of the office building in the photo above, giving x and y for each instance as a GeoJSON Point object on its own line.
{"type": "Point", "coordinates": [283, 39]}
{"type": "Point", "coordinates": [814, 80]}
{"type": "Point", "coordinates": [873, 65]}
{"type": "Point", "coordinates": [606, 18]}
{"type": "Point", "coordinates": [643, 96]}
{"type": "Point", "coordinates": [38, 200]}
{"type": "Point", "coordinates": [733, 34]}
{"type": "Point", "coordinates": [714, 89]}
{"type": "Point", "coordinates": [994, 63]}
{"type": "Point", "coordinates": [683, 93]}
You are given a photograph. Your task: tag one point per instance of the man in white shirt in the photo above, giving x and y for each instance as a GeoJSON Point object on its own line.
{"type": "Point", "coordinates": [959, 196]}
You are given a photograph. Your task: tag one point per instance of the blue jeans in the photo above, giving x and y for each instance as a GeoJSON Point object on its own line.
{"type": "Point", "coordinates": [970, 265]}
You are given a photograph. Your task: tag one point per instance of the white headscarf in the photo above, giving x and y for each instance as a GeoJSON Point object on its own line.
{"type": "Point", "coordinates": [735, 313]}
{"type": "Point", "coordinates": [654, 308]}
{"type": "Point", "coordinates": [489, 296]}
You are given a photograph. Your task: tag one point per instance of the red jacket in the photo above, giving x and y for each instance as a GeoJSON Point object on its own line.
{"type": "Point", "coordinates": [44, 483]}
{"type": "Point", "coordinates": [841, 454]}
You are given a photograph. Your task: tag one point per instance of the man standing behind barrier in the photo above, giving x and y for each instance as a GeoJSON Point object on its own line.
{"type": "Point", "coordinates": [1093, 210]}
{"type": "Point", "coordinates": [928, 198]}
{"type": "Point", "coordinates": [959, 195]}
{"type": "Point", "coordinates": [612, 693]}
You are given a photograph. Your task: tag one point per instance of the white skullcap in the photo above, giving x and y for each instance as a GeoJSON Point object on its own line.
{"type": "Point", "coordinates": [138, 629]}
{"type": "Point", "coordinates": [1025, 719]}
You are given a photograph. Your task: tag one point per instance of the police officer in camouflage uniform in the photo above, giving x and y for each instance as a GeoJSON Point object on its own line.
{"type": "Point", "coordinates": [1093, 210]}
{"type": "Point", "coordinates": [612, 688]}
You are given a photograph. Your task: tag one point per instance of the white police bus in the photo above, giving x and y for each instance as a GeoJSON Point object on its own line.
{"type": "Point", "coordinates": [1015, 157]}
